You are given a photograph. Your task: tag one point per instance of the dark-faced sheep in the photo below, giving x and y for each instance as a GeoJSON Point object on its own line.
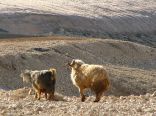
{"type": "Point", "coordinates": [89, 76]}
{"type": "Point", "coordinates": [42, 81]}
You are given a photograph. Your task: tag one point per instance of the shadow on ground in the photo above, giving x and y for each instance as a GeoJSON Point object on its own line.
{"type": "Point", "coordinates": [141, 29]}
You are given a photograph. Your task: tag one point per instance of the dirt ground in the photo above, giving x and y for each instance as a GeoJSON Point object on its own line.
{"type": "Point", "coordinates": [118, 19]}
{"type": "Point", "coordinates": [131, 68]}
{"type": "Point", "coordinates": [17, 102]}
{"type": "Point", "coordinates": [40, 34]}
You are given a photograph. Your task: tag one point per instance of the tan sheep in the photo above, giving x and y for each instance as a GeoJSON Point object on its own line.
{"type": "Point", "coordinates": [89, 76]}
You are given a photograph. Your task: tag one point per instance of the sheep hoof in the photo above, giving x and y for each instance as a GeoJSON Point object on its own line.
{"type": "Point", "coordinates": [96, 100]}
{"type": "Point", "coordinates": [35, 97]}
{"type": "Point", "coordinates": [83, 99]}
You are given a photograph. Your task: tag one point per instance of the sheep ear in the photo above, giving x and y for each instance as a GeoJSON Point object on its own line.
{"type": "Point", "coordinates": [53, 70]}
{"type": "Point", "coordinates": [68, 64]}
{"type": "Point", "coordinates": [79, 64]}
{"type": "Point", "coordinates": [73, 62]}
{"type": "Point", "coordinates": [26, 70]}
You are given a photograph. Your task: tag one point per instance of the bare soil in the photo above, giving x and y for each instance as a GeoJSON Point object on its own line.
{"type": "Point", "coordinates": [131, 68]}
{"type": "Point", "coordinates": [118, 19]}
{"type": "Point", "coordinates": [126, 48]}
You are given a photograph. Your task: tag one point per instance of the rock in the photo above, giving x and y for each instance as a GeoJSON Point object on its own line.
{"type": "Point", "coordinates": [3, 111]}
{"type": "Point", "coordinates": [41, 49]}
{"type": "Point", "coordinates": [121, 97]}
{"type": "Point", "coordinates": [28, 113]}
{"type": "Point", "coordinates": [154, 94]}
{"type": "Point", "coordinates": [139, 109]}
{"type": "Point", "coordinates": [149, 110]}
{"type": "Point", "coordinates": [145, 97]}
{"type": "Point", "coordinates": [39, 109]}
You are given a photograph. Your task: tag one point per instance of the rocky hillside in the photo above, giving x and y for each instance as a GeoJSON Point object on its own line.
{"type": "Point", "coordinates": [40, 34]}
{"type": "Point", "coordinates": [131, 68]}
{"type": "Point", "coordinates": [118, 19]}
{"type": "Point", "coordinates": [126, 62]}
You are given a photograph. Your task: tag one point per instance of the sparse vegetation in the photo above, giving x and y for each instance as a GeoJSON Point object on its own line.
{"type": "Point", "coordinates": [132, 76]}
{"type": "Point", "coordinates": [126, 47]}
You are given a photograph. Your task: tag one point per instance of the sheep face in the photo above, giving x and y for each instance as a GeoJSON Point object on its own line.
{"type": "Point", "coordinates": [75, 63]}
{"type": "Point", "coordinates": [26, 76]}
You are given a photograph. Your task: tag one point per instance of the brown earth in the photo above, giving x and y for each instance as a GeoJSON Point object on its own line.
{"type": "Point", "coordinates": [118, 19]}
{"type": "Point", "coordinates": [131, 68]}
{"type": "Point", "coordinates": [17, 102]}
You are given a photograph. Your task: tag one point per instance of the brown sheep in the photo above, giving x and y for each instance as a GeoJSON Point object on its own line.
{"type": "Point", "coordinates": [89, 76]}
{"type": "Point", "coordinates": [42, 81]}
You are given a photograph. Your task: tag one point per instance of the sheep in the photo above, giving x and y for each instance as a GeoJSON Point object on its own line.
{"type": "Point", "coordinates": [90, 76]}
{"type": "Point", "coordinates": [42, 81]}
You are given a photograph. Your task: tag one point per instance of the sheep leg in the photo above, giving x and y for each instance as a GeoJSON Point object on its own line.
{"type": "Point", "coordinates": [99, 88]}
{"type": "Point", "coordinates": [98, 96]}
{"type": "Point", "coordinates": [30, 91]}
{"type": "Point", "coordinates": [50, 94]}
{"type": "Point", "coordinates": [35, 95]}
{"type": "Point", "coordinates": [39, 95]}
{"type": "Point", "coordinates": [35, 89]}
{"type": "Point", "coordinates": [46, 95]}
{"type": "Point", "coordinates": [82, 95]}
